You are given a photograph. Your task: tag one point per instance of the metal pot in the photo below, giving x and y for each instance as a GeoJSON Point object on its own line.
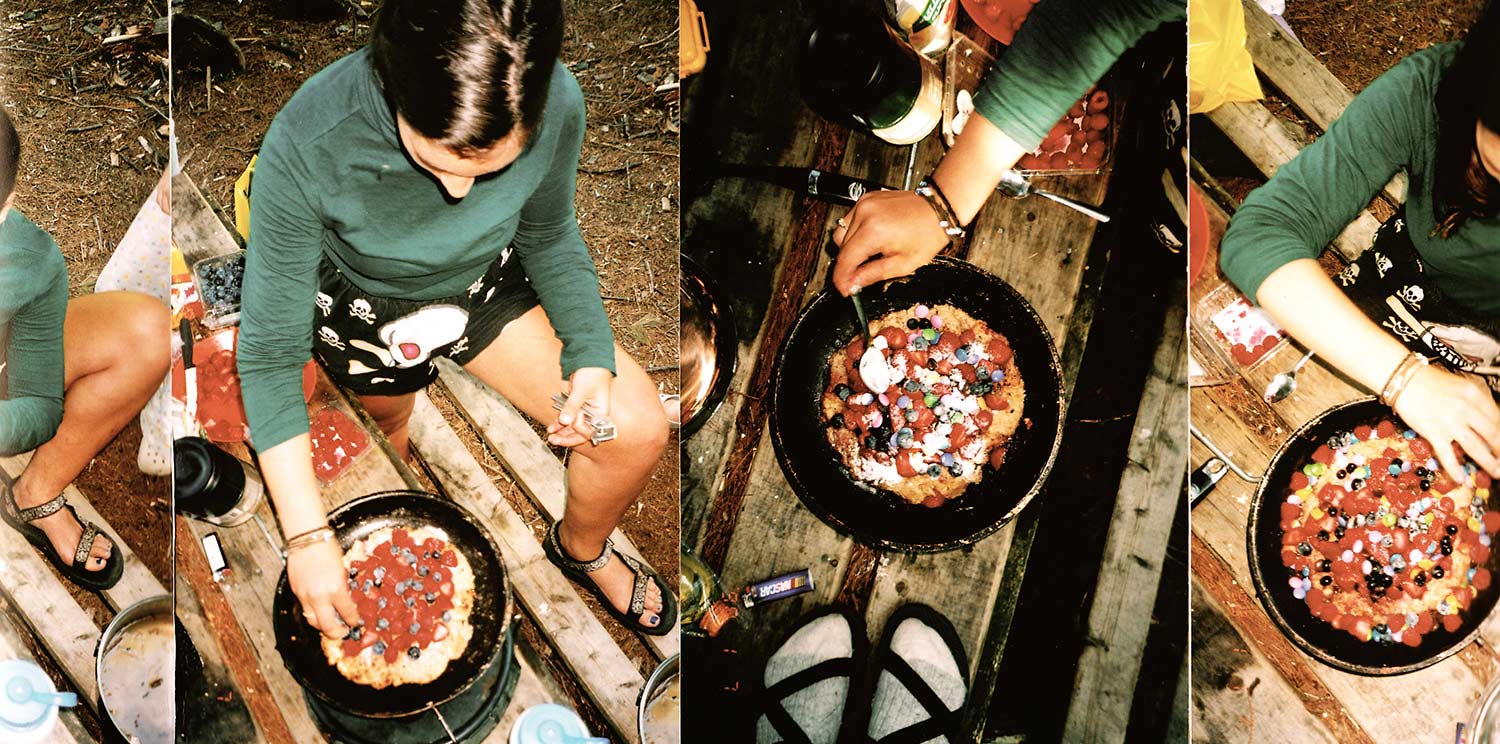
{"type": "Point", "coordinates": [665, 675]}
{"type": "Point", "coordinates": [133, 669]}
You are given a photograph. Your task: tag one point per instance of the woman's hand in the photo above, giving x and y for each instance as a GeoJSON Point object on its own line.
{"type": "Point", "coordinates": [897, 226]}
{"type": "Point", "coordinates": [317, 576]}
{"type": "Point", "coordinates": [1445, 407]}
{"type": "Point", "coordinates": [591, 386]}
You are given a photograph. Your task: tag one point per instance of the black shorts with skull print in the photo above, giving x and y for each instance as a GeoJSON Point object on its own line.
{"type": "Point", "coordinates": [1390, 284]}
{"type": "Point", "coordinates": [374, 345]}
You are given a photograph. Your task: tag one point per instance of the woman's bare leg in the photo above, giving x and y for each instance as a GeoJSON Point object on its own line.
{"type": "Point", "coordinates": [392, 413]}
{"type": "Point", "coordinates": [523, 365]}
{"type": "Point", "coordinates": [116, 354]}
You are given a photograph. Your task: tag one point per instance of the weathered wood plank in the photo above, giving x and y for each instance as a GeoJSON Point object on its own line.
{"type": "Point", "coordinates": [1264, 139]}
{"type": "Point", "coordinates": [43, 604]}
{"type": "Point", "coordinates": [234, 722]}
{"type": "Point", "coordinates": [138, 582]}
{"type": "Point", "coordinates": [196, 229]}
{"type": "Point", "coordinates": [69, 730]}
{"type": "Point", "coordinates": [506, 432]}
{"type": "Point", "coordinates": [231, 629]}
{"type": "Point", "coordinates": [1237, 694]}
{"type": "Point", "coordinates": [1134, 549]}
{"type": "Point", "coordinates": [1302, 78]}
{"type": "Point", "coordinates": [601, 668]}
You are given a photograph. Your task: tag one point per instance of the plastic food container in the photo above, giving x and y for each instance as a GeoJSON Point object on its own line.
{"type": "Point", "coordinates": [219, 281]}
{"type": "Point", "coordinates": [1081, 142]}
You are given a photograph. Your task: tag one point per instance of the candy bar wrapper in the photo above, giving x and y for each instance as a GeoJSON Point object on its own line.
{"type": "Point", "coordinates": [781, 587]}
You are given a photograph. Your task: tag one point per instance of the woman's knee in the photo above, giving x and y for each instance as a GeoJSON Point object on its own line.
{"type": "Point", "coordinates": [141, 326]}
{"type": "Point", "coordinates": [641, 429]}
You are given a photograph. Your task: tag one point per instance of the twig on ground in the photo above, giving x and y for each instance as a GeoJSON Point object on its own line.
{"type": "Point", "coordinates": [604, 171]}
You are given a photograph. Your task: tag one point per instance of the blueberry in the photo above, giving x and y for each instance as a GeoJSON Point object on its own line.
{"type": "Point", "coordinates": [423, 571]}
{"type": "Point", "coordinates": [378, 648]}
{"type": "Point", "coordinates": [382, 624]}
{"type": "Point", "coordinates": [430, 597]}
{"type": "Point", "coordinates": [414, 652]}
{"type": "Point", "coordinates": [414, 629]}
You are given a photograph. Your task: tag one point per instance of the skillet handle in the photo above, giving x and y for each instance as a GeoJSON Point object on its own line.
{"type": "Point", "coordinates": [1203, 480]}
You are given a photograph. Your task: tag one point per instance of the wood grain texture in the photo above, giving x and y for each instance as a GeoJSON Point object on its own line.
{"type": "Point", "coordinates": [1237, 695]}
{"type": "Point", "coordinates": [1134, 548]}
{"type": "Point", "coordinates": [1213, 577]}
{"type": "Point", "coordinates": [68, 729]}
{"type": "Point", "coordinates": [231, 710]}
{"type": "Point", "coordinates": [604, 671]}
{"type": "Point", "coordinates": [138, 582]}
{"type": "Point", "coordinates": [252, 674]}
{"type": "Point", "coordinates": [1302, 78]}
{"type": "Point", "coordinates": [196, 229]}
{"type": "Point", "coordinates": [509, 436]}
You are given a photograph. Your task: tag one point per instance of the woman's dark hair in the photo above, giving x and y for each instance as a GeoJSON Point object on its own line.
{"type": "Point", "coordinates": [467, 72]}
{"type": "Point", "coordinates": [10, 155]}
{"type": "Point", "coordinates": [1468, 93]}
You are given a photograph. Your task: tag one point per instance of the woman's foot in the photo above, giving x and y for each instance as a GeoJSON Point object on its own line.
{"type": "Point", "coordinates": [615, 579]}
{"type": "Point", "coordinates": [63, 531]}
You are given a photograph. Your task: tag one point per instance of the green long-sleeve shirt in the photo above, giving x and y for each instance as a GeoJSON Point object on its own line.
{"type": "Point", "coordinates": [1064, 47]}
{"type": "Point", "coordinates": [33, 303]}
{"type": "Point", "coordinates": [332, 179]}
{"type": "Point", "coordinates": [1390, 126]}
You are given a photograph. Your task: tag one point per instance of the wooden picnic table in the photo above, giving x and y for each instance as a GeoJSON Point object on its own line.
{"type": "Point", "coordinates": [230, 615]}
{"type": "Point", "coordinates": [1248, 678]}
{"type": "Point", "coordinates": [766, 248]}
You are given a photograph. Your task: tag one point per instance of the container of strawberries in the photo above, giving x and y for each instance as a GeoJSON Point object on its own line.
{"type": "Point", "coordinates": [1080, 143]}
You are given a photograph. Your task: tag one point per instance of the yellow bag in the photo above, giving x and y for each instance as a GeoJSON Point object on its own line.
{"type": "Point", "coordinates": [242, 200]}
{"type": "Point", "coordinates": [1219, 66]}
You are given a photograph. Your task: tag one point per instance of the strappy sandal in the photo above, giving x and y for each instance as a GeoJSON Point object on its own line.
{"type": "Point", "coordinates": [20, 520]}
{"type": "Point", "coordinates": [770, 700]}
{"type": "Point", "coordinates": [940, 721]}
{"type": "Point", "coordinates": [578, 572]}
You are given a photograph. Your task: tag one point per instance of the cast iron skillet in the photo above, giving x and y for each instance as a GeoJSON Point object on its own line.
{"type": "Point", "coordinates": [299, 643]}
{"type": "Point", "coordinates": [1320, 640]}
{"type": "Point", "coordinates": [882, 519]}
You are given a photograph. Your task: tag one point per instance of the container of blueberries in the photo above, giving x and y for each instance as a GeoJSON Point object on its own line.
{"type": "Point", "coordinates": [219, 280]}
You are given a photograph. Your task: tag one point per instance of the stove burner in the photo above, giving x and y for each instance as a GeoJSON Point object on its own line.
{"type": "Point", "coordinates": [470, 717]}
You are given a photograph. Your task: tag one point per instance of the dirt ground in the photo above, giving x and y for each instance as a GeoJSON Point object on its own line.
{"type": "Point", "coordinates": [627, 188]}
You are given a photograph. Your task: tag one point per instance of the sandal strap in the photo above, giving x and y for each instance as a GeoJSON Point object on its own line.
{"type": "Point", "coordinates": [567, 560]}
{"type": "Point", "coordinates": [85, 544]}
{"type": "Point", "coordinates": [40, 511]}
{"type": "Point", "coordinates": [638, 593]}
{"type": "Point", "coordinates": [772, 696]}
{"type": "Point", "coordinates": [940, 721]}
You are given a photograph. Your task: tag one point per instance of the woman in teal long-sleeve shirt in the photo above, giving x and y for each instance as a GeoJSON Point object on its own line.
{"type": "Point", "coordinates": [72, 375]}
{"type": "Point", "coordinates": [414, 200]}
{"type": "Point", "coordinates": [1064, 47]}
{"type": "Point", "coordinates": [1427, 287]}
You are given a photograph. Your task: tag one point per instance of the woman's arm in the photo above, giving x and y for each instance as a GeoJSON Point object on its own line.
{"type": "Point", "coordinates": [275, 342]}
{"type": "Point", "coordinates": [34, 365]}
{"type": "Point", "coordinates": [1443, 406]}
{"type": "Point", "coordinates": [1055, 58]}
{"type": "Point", "coordinates": [558, 264]}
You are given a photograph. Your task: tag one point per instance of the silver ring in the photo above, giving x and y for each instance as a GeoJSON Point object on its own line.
{"type": "Point", "coordinates": [841, 222]}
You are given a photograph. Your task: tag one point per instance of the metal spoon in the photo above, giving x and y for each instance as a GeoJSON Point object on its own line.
{"type": "Point", "coordinates": [1284, 384]}
{"type": "Point", "coordinates": [1017, 186]}
{"type": "Point", "coordinates": [874, 370]}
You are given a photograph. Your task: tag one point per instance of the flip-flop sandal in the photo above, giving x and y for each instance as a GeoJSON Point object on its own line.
{"type": "Point", "coordinates": [940, 721]}
{"type": "Point", "coordinates": [20, 520]}
{"type": "Point", "coordinates": [770, 700]}
{"type": "Point", "coordinates": [664, 397]}
{"type": "Point", "coordinates": [578, 572]}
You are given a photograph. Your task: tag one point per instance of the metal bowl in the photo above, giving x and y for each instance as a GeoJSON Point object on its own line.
{"type": "Point", "coordinates": [133, 669]}
{"type": "Point", "coordinates": [708, 349]}
{"type": "Point", "coordinates": [660, 680]}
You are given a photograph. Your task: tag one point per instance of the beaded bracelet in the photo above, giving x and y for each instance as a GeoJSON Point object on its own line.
{"type": "Point", "coordinates": [1401, 377]}
{"type": "Point", "coordinates": [928, 190]}
{"type": "Point", "coordinates": [310, 537]}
